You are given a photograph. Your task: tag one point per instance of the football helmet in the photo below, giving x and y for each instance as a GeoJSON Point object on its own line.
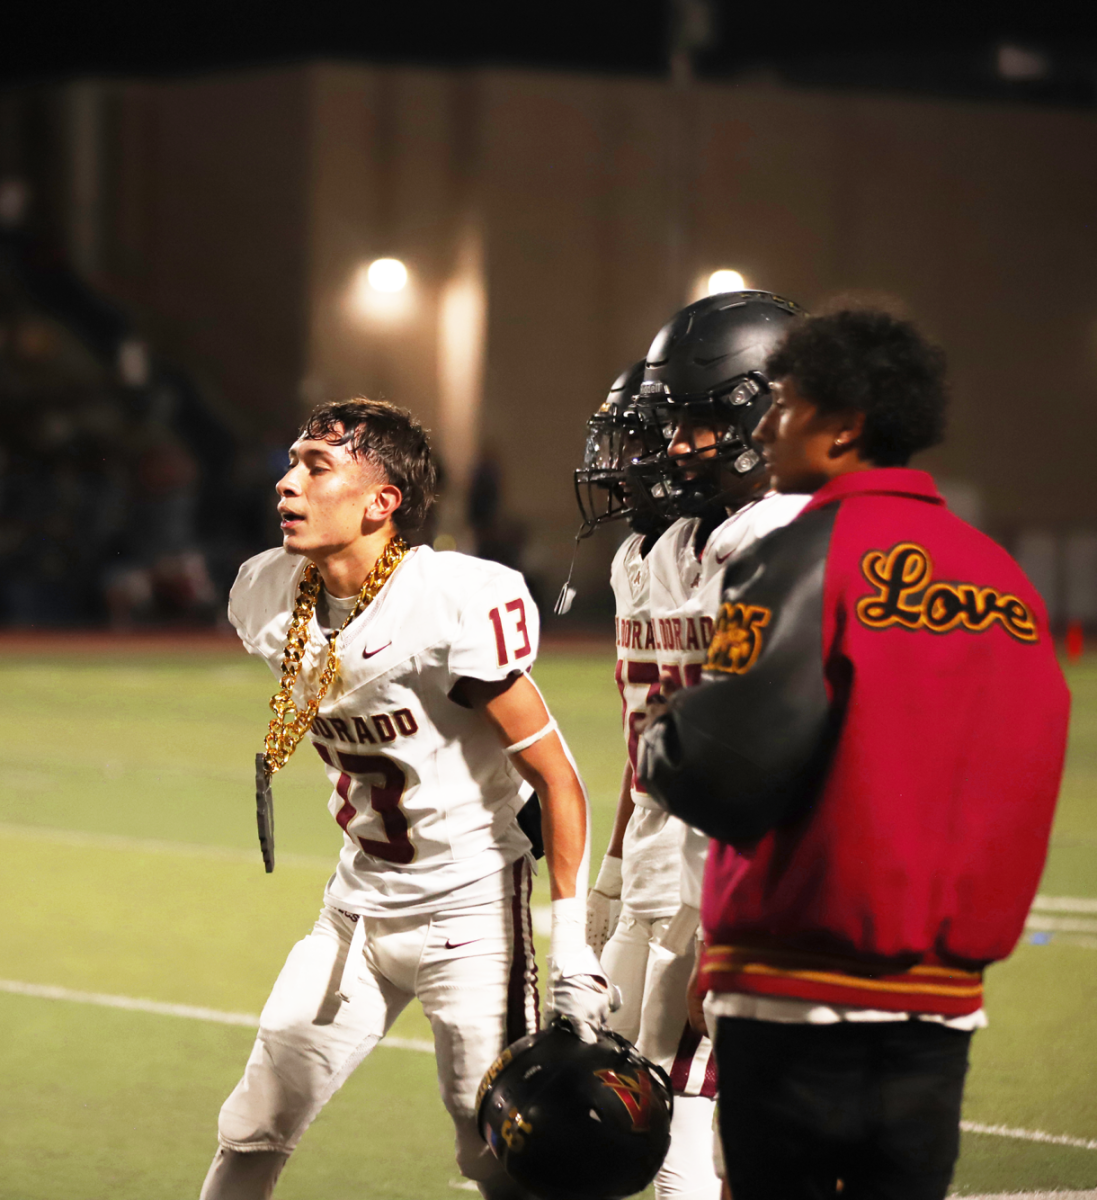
{"type": "Point", "coordinates": [707, 365]}
{"type": "Point", "coordinates": [575, 1121]}
{"type": "Point", "coordinates": [616, 436]}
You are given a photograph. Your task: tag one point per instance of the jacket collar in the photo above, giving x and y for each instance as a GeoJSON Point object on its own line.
{"type": "Point", "coordinates": [879, 481]}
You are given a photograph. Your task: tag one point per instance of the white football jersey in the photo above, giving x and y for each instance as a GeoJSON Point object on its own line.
{"type": "Point", "coordinates": [424, 793]}
{"type": "Point", "coordinates": [649, 866]}
{"type": "Point", "coordinates": [685, 595]}
{"type": "Point", "coordinates": [637, 672]}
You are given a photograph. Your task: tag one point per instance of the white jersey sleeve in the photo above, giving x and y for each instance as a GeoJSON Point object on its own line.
{"type": "Point", "coordinates": [737, 535]}
{"type": "Point", "coordinates": [423, 791]}
{"type": "Point", "coordinates": [499, 629]}
{"type": "Point", "coordinates": [261, 601]}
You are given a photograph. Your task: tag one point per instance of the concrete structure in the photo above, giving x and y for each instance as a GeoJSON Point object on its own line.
{"type": "Point", "coordinates": [552, 222]}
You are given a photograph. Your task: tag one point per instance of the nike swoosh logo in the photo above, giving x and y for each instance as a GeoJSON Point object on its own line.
{"type": "Point", "coordinates": [722, 558]}
{"type": "Point", "coordinates": [457, 945]}
{"type": "Point", "coordinates": [371, 653]}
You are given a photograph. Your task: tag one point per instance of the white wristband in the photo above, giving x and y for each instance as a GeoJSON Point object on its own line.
{"type": "Point", "coordinates": [525, 743]}
{"type": "Point", "coordinates": [609, 877]}
{"type": "Point", "coordinates": [569, 927]}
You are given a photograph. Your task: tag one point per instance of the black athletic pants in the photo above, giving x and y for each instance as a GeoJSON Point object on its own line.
{"type": "Point", "coordinates": [876, 1105]}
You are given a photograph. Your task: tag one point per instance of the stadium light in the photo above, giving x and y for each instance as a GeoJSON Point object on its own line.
{"type": "Point", "coordinates": [382, 291]}
{"type": "Point", "coordinates": [725, 280]}
{"type": "Point", "coordinates": [387, 275]}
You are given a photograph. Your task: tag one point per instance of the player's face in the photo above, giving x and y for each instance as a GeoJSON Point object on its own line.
{"type": "Point", "coordinates": [798, 441]}
{"type": "Point", "coordinates": [693, 447]}
{"type": "Point", "coordinates": [632, 448]}
{"type": "Point", "coordinates": [693, 444]}
{"type": "Point", "coordinates": [325, 497]}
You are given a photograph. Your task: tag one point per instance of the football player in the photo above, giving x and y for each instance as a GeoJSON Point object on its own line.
{"type": "Point", "coordinates": [705, 390]}
{"type": "Point", "coordinates": [409, 672]}
{"type": "Point", "coordinates": [615, 439]}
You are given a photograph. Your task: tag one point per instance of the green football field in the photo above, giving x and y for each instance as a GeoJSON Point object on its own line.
{"type": "Point", "coordinates": [130, 873]}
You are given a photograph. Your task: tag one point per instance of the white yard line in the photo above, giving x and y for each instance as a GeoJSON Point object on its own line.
{"type": "Point", "coordinates": [1029, 1135]}
{"type": "Point", "coordinates": [45, 992]}
{"type": "Point", "coordinates": [250, 1020]}
{"type": "Point", "coordinates": [1071, 904]}
{"type": "Point", "coordinates": [113, 841]}
{"type": "Point", "coordinates": [1030, 1196]}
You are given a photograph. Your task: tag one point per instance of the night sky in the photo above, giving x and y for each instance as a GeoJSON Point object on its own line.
{"type": "Point", "coordinates": [926, 47]}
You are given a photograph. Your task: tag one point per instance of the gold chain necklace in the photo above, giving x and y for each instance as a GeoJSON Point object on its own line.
{"type": "Point", "coordinates": [290, 724]}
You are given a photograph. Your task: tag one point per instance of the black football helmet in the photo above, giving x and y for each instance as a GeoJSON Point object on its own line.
{"type": "Point", "coordinates": [708, 364]}
{"type": "Point", "coordinates": [616, 436]}
{"type": "Point", "coordinates": [574, 1121]}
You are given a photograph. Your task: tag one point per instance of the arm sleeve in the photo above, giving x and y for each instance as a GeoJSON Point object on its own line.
{"type": "Point", "coordinates": [744, 750]}
{"type": "Point", "coordinates": [498, 630]}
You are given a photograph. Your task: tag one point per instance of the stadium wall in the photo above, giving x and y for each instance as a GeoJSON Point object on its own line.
{"type": "Point", "coordinates": [582, 211]}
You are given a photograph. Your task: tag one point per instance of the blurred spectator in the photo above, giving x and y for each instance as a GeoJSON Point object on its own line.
{"type": "Point", "coordinates": [127, 498]}
{"type": "Point", "coordinates": [164, 571]}
{"type": "Point", "coordinates": [498, 536]}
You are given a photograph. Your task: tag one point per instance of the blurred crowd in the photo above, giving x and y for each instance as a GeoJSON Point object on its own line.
{"type": "Point", "coordinates": [127, 499]}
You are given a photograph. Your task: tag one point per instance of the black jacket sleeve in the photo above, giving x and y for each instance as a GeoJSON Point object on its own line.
{"type": "Point", "coordinates": [744, 750]}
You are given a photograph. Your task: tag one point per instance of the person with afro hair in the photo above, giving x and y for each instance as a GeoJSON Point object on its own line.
{"type": "Point", "coordinates": [876, 753]}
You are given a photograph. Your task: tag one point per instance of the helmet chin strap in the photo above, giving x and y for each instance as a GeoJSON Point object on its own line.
{"type": "Point", "coordinates": [640, 521]}
{"type": "Point", "coordinates": [567, 593]}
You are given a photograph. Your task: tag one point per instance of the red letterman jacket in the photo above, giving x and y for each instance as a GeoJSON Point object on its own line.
{"type": "Point", "coordinates": [884, 691]}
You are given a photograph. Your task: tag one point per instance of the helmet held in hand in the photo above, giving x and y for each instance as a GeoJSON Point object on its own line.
{"type": "Point", "coordinates": [576, 1121]}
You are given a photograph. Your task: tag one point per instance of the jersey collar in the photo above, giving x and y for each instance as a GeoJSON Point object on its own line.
{"type": "Point", "coordinates": [880, 481]}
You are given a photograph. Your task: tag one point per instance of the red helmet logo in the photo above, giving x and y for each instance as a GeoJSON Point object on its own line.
{"type": "Point", "coordinates": [634, 1092]}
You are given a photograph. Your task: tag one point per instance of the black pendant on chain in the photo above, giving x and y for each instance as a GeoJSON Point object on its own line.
{"type": "Point", "coordinates": [264, 812]}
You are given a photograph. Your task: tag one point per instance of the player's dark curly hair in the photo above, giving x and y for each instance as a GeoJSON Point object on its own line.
{"type": "Point", "coordinates": [865, 360]}
{"type": "Point", "coordinates": [389, 437]}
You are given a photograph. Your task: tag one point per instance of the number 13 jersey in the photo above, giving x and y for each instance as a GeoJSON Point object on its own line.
{"type": "Point", "coordinates": [425, 796]}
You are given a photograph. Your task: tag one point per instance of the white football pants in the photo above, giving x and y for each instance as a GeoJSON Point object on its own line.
{"type": "Point", "coordinates": [625, 959]}
{"type": "Point", "coordinates": [653, 1015]}
{"type": "Point", "coordinates": [474, 974]}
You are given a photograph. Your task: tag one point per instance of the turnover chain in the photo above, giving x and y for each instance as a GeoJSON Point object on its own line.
{"type": "Point", "coordinates": [290, 723]}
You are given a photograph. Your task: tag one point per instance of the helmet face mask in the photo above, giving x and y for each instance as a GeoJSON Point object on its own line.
{"type": "Point", "coordinates": [685, 484]}
{"type": "Point", "coordinates": [617, 437]}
